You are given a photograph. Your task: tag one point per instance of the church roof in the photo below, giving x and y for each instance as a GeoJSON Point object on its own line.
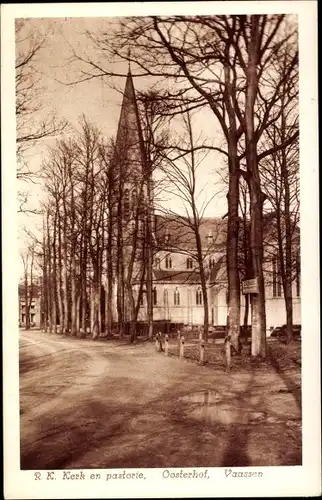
{"type": "Point", "coordinates": [175, 233]}
{"type": "Point", "coordinates": [171, 276]}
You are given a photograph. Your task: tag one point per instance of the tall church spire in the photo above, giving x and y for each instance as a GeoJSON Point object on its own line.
{"type": "Point", "coordinates": [129, 138]}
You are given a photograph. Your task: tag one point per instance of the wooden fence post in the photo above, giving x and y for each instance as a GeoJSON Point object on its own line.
{"type": "Point", "coordinates": [227, 353]}
{"type": "Point", "coordinates": [179, 341]}
{"type": "Point", "coordinates": [160, 342]}
{"type": "Point", "coordinates": [202, 352]}
{"type": "Point", "coordinates": [182, 347]}
{"type": "Point", "coordinates": [166, 344]}
{"type": "Point", "coordinates": [157, 342]}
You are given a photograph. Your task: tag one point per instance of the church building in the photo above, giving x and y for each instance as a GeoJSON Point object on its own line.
{"type": "Point", "coordinates": [171, 256]}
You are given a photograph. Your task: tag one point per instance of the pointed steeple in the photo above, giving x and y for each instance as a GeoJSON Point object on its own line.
{"type": "Point", "coordinates": [129, 138]}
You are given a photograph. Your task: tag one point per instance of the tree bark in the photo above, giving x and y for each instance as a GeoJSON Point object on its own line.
{"type": "Point", "coordinates": [256, 197]}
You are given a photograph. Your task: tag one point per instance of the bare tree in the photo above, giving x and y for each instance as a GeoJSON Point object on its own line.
{"type": "Point", "coordinates": [280, 177]}
{"type": "Point", "coordinates": [33, 123]}
{"type": "Point", "coordinates": [183, 170]}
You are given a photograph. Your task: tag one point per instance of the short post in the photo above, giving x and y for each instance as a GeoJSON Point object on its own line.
{"type": "Point", "coordinates": [227, 353]}
{"type": "Point", "coordinates": [166, 344]}
{"type": "Point", "coordinates": [160, 341]}
{"type": "Point", "coordinates": [182, 347]}
{"type": "Point", "coordinates": [202, 351]}
{"type": "Point", "coordinates": [157, 343]}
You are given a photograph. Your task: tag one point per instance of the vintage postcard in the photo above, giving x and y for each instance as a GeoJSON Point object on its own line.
{"type": "Point", "coordinates": [160, 250]}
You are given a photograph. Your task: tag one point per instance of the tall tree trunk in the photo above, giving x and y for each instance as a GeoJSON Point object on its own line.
{"type": "Point", "coordinates": [84, 298]}
{"type": "Point", "coordinates": [73, 294]}
{"type": "Point", "coordinates": [233, 315]}
{"type": "Point", "coordinates": [149, 253]}
{"type": "Point", "coordinates": [202, 278]}
{"type": "Point", "coordinates": [256, 197]}
{"type": "Point", "coordinates": [287, 282]}
{"type": "Point", "coordinates": [45, 282]}
{"type": "Point", "coordinates": [51, 298]}
{"type": "Point", "coordinates": [59, 279]}
{"type": "Point", "coordinates": [54, 286]}
{"type": "Point", "coordinates": [27, 309]}
{"type": "Point", "coordinates": [246, 311]}
{"type": "Point", "coordinates": [120, 269]}
{"type": "Point", "coordinates": [78, 313]}
{"type": "Point", "coordinates": [95, 306]}
{"type": "Point", "coordinates": [258, 299]}
{"type": "Point", "coordinates": [65, 280]}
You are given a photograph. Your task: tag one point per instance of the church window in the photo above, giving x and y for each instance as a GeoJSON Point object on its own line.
{"type": "Point", "coordinates": [199, 297]}
{"type": "Point", "coordinates": [189, 263]}
{"type": "Point", "coordinates": [277, 282]}
{"type": "Point", "coordinates": [155, 296]}
{"type": "Point", "coordinates": [134, 199]}
{"type": "Point", "coordinates": [168, 262]}
{"type": "Point", "coordinates": [211, 263]}
{"type": "Point", "coordinates": [157, 262]}
{"type": "Point", "coordinates": [176, 297]}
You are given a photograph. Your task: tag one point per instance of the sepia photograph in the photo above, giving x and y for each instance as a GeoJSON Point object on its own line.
{"type": "Point", "coordinates": [159, 216]}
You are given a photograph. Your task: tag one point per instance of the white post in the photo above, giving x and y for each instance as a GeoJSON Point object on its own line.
{"type": "Point", "coordinates": [182, 347]}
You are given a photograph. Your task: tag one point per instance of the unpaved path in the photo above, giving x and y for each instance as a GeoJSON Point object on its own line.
{"type": "Point", "coordinates": [104, 404]}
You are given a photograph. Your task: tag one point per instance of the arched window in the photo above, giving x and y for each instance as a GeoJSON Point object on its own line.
{"type": "Point", "coordinates": [165, 298]}
{"type": "Point", "coordinates": [211, 263]}
{"type": "Point", "coordinates": [199, 297]}
{"type": "Point", "coordinates": [168, 262]}
{"type": "Point", "coordinates": [189, 263]}
{"type": "Point", "coordinates": [157, 262]}
{"type": "Point", "coordinates": [134, 199]}
{"type": "Point", "coordinates": [277, 281]}
{"type": "Point", "coordinates": [126, 203]}
{"type": "Point", "coordinates": [176, 297]}
{"type": "Point", "coordinates": [155, 296]}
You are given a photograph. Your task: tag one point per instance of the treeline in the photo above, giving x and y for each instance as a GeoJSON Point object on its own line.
{"type": "Point", "coordinates": [95, 240]}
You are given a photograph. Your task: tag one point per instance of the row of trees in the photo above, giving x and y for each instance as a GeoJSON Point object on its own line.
{"type": "Point", "coordinates": [94, 235]}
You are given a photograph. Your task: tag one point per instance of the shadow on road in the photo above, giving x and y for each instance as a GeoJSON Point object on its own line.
{"type": "Point", "coordinates": [290, 384]}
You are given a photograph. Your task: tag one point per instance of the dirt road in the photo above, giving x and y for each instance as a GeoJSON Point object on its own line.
{"type": "Point", "coordinates": [104, 404]}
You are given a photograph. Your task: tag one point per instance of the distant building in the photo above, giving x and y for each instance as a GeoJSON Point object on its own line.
{"type": "Point", "coordinates": [34, 306]}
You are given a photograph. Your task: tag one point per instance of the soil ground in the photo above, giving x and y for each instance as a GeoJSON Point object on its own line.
{"type": "Point", "coordinates": [109, 404]}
